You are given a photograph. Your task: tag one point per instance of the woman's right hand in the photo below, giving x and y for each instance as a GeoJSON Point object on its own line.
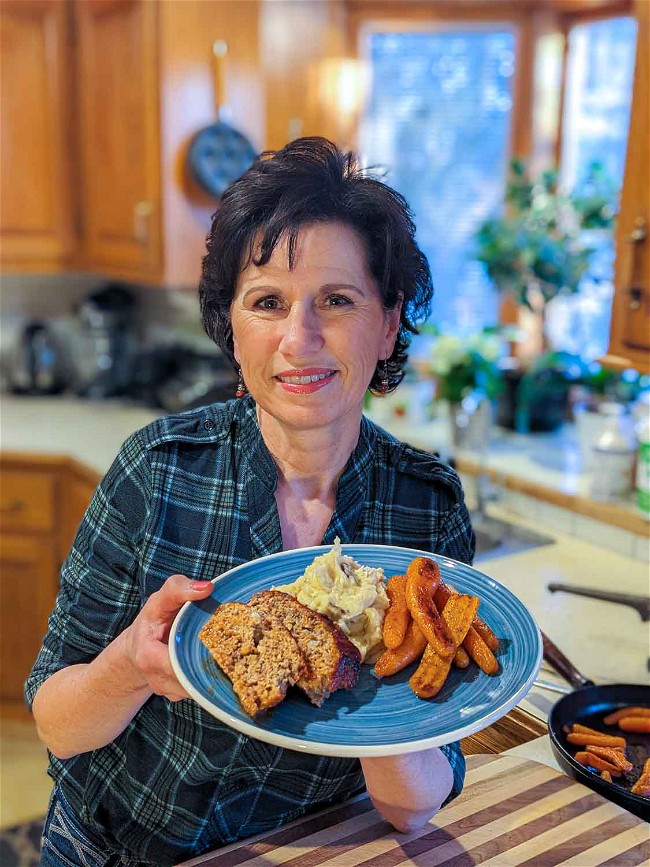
{"type": "Point", "coordinates": [83, 707]}
{"type": "Point", "coordinates": [147, 639]}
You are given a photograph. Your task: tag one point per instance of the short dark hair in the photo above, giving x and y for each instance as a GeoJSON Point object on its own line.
{"type": "Point", "coordinates": [312, 181]}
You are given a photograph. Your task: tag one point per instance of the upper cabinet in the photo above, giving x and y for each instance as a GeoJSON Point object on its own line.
{"type": "Point", "coordinates": [117, 76]}
{"type": "Point", "coordinates": [630, 331]}
{"type": "Point", "coordinates": [37, 205]}
{"type": "Point", "coordinates": [101, 99]}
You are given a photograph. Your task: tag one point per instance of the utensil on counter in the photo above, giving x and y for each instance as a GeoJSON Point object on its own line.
{"type": "Point", "coordinates": [38, 366]}
{"type": "Point", "coordinates": [639, 603]}
{"type": "Point", "coordinates": [219, 154]}
{"type": "Point", "coordinates": [587, 705]}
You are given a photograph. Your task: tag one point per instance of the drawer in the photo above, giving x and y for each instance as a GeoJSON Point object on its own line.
{"type": "Point", "coordinates": [27, 500]}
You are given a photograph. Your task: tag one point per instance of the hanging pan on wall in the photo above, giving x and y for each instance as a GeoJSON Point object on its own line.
{"type": "Point", "coordinates": [219, 154]}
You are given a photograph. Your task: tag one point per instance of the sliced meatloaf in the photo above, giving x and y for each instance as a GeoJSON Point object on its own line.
{"type": "Point", "coordinates": [333, 662]}
{"type": "Point", "coordinates": [256, 652]}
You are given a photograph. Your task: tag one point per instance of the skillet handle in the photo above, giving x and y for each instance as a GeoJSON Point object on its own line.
{"type": "Point", "coordinates": [554, 656]}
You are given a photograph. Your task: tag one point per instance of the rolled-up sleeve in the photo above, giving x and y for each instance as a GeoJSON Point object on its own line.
{"type": "Point", "coordinates": [99, 593]}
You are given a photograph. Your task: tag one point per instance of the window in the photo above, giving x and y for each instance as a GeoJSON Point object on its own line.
{"type": "Point", "coordinates": [438, 121]}
{"type": "Point", "coordinates": [600, 72]}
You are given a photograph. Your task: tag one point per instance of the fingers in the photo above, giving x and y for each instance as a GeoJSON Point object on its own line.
{"type": "Point", "coordinates": [174, 593]}
{"type": "Point", "coordinates": [149, 632]}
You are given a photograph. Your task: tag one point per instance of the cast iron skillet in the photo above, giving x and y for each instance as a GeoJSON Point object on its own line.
{"type": "Point", "coordinates": [218, 154]}
{"type": "Point", "coordinates": [587, 706]}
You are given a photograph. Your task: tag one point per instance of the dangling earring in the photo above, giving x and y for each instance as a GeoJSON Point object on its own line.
{"type": "Point", "coordinates": [241, 387]}
{"type": "Point", "coordinates": [384, 384]}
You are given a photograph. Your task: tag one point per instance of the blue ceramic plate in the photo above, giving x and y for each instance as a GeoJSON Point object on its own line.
{"type": "Point", "coordinates": [377, 717]}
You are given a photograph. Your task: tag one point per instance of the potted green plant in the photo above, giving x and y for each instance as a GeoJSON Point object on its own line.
{"type": "Point", "coordinates": [538, 248]}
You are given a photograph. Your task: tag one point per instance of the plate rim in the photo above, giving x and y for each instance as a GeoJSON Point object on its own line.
{"type": "Point", "coordinates": [356, 750]}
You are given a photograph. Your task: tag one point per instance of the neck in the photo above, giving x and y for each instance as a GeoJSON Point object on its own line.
{"type": "Point", "coordinates": [309, 460]}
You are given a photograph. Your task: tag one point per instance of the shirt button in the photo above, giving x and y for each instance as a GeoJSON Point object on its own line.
{"type": "Point", "coordinates": [208, 424]}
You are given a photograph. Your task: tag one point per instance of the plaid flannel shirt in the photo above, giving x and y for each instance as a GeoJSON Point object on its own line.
{"type": "Point", "coordinates": [194, 493]}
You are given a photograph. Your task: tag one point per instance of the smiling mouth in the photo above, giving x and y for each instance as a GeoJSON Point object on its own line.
{"type": "Point", "coordinates": [305, 380]}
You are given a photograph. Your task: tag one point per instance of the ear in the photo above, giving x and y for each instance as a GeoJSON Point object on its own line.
{"type": "Point", "coordinates": [392, 326]}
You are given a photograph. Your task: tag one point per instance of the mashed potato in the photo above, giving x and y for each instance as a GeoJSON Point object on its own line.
{"type": "Point", "coordinates": [351, 595]}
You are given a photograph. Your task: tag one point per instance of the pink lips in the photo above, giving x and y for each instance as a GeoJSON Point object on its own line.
{"type": "Point", "coordinates": [306, 380]}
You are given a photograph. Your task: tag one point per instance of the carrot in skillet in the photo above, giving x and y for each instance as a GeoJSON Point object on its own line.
{"type": "Point", "coordinates": [588, 759]}
{"type": "Point", "coordinates": [612, 718]}
{"type": "Point", "coordinates": [635, 724]}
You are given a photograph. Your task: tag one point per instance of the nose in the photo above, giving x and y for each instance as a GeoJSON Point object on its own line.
{"type": "Point", "coordinates": [301, 331]}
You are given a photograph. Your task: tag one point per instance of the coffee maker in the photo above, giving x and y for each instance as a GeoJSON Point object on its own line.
{"type": "Point", "coordinates": [108, 345]}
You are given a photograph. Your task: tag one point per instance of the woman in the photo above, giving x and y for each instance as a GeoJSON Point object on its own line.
{"type": "Point", "coordinates": [312, 283]}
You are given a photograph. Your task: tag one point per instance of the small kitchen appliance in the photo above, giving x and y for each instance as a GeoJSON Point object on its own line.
{"type": "Point", "coordinates": [108, 345]}
{"type": "Point", "coordinates": [38, 365]}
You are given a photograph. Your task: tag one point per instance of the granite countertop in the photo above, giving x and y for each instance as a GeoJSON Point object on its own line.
{"type": "Point", "coordinates": [608, 643]}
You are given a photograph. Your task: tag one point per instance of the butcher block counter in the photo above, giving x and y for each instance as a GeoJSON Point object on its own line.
{"type": "Point", "coordinates": [511, 811]}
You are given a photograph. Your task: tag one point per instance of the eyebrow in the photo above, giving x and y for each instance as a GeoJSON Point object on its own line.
{"type": "Point", "coordinates": [326, 287]}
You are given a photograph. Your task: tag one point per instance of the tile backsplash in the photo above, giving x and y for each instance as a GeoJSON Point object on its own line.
{"type": "Point", "coordinates": [162, 315]}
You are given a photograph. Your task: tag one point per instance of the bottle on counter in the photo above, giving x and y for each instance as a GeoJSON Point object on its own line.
{"type": "Point", "coordinates": [613, 455]}
{"type": "Point", "coordinates": [642, 477]}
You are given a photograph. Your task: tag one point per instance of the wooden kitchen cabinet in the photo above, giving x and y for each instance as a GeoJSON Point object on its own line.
{"type": "Point", "coordinates": [117, 83]}
{"type": "Point", "coordinates": [37, 194]}
{"type": "Point", "coordinates": [42, 501]}
{"type": "Point", "coordinates": [630, 329]}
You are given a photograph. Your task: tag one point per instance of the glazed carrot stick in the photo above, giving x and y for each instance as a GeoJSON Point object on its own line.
{"type": "Point", "coordinates": [612, 718]}
{"type": "Point", "coordinates": [589, 759]}
{"type": "Point", "coordinates": [393, 660]}
{"type": "Point", "coordinates": [613, 756]}
{"type": "Point", "coordinates": [635, 724]}
{"type": "Point", "coordinates": [584, 740]}
{"type": "Point", "coordinates": [396, 619]}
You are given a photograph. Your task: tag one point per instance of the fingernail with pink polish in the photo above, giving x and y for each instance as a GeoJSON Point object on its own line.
{"type": "Point", "coordinates": [200, 585]}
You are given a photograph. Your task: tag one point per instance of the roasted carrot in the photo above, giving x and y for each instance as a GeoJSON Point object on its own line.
{"type": "Point", "coordinates": [635, 724]}
{"type": "Point", "coordinates": [422, 580]}
{"type": "Point", "coordinates": [461, 658]}
{"type": "Point", "coordinates": [432, 672]}
{"type": "Point", "coordinates": [605, 775]}
{"type": "Point", "coordinates": [589, 759]}
{"type": "Point", "coordinates": [583, 740]}
{"type": "Point", "coordinates": [642, 785]}
{"type": "Point", "coordinates": [394, 660]}
{"type": "Point", "coordinates": [615, 757]}
{"type": "Point", "coordinates": [612, 718]}
{"type": "Point", "coordinates": [480, 652]}
{"type": "Point", "coordinates": [578, 727]}
{"type": "Point", "coordinates": [398, 616]}
{"type": "Point", "coordinates": [486, 633]}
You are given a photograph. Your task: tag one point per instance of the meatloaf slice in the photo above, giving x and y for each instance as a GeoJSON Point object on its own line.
{"type": "Point", "coordinates": [333, 662]}
{"type": "Point", "coordinates": [256, 652]}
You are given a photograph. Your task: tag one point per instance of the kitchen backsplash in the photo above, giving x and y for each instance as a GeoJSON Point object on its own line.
{"type": "Point", "coordinates": [163, 316]}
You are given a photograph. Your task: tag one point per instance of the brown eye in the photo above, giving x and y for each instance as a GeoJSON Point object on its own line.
{"type": "Point", "coordinates": [270, 302]}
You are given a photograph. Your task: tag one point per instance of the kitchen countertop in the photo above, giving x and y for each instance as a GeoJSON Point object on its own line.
{"type": "Point", "coordinates": [607, 643]}
{"type": "Point", "coordinates": [547, 466]}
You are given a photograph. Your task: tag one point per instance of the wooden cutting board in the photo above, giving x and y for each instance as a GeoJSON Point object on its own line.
{"type": "Point", "coordinates": [511, 812]}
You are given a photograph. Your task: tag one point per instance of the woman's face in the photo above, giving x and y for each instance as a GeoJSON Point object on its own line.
{"type": "Point", "coordinates": [308, 339]}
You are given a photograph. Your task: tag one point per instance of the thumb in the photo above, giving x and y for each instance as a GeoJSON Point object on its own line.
{"type": "Point", "coordinates": [175, 592]}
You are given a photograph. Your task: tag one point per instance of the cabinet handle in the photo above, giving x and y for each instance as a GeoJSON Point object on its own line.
{"type": "Point", "coordinates": [12, 507]}
{"type": "Point", "coordinates": [141, 213]}
{"type": "Point", "coordinates": [636, 290]}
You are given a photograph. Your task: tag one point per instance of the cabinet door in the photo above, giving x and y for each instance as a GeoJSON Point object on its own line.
{"type": "Point", "coordinates": [36, 195]}
{"type": "Point", "coordinates": [27, 591]}
{"type": "Point", "coordinates": [630, 333]}
{"type": "Point", "coordinates": [119, 129]}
